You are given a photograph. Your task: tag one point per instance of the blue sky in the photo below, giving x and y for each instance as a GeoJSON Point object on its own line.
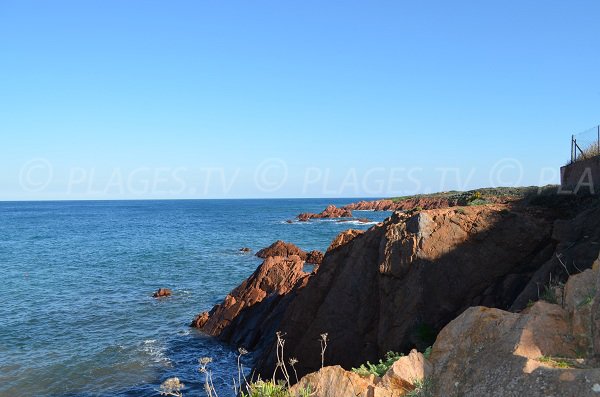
{"type": "Point", "coordinates": [198, 99]}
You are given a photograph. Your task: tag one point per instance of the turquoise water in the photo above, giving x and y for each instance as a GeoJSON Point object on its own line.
{"type": "Point", "coordinates": [77, 316]}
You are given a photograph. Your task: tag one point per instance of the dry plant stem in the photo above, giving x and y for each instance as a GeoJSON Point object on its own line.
{"type": "Point", "coordinates": [281, 359]}
{"type": "Point", "coordinates": [323, 348]}
{"type": "Point", "coordinates": [563, 264]}
{"type": "Point", "coordinates": [240, 369]}
{"type": "Point", "coordinates": [209, 386]}
{"type": "Point", "coordinates": [293, 362]}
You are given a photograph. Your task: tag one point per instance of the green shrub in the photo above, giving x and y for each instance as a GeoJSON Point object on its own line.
{"type": "Point", "coordinates": [475, 196]}
{"type": "Point", "coordinates": [423, 388]}
{"type": "Point", "coordinates": [269, 389]}
{"type": "Point", "coordinates": [378, 369]}
{"type": "Point", "coordinates": [478, 202]}
{"type": "Point", "coordinates": [427, 352]}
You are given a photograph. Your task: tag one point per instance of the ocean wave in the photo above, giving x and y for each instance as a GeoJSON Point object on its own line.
{"type": "Point", "coordinates": [156, 351]}
{"type": "Point", "coordinates": [294, 222]}
{"type": "Point", "coordinates": [359, 223]}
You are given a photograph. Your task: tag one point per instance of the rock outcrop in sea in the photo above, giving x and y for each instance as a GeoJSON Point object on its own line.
{"type": "Point", "coordinates": [330, 212]}
{"type": "Point", "coordinates": [249, 314]}
{"type": "Point", "coordinates": [162, 293]}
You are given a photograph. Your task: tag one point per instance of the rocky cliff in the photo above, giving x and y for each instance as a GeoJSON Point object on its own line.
{"type": "Point", "coordinates": [395, 286]}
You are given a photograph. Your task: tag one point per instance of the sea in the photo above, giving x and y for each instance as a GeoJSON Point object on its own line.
{"type": "Point", "coordinates": [77, 316]}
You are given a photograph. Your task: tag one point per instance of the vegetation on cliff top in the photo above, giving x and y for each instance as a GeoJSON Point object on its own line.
{"type": "Point", "coordinates": [482, 194]}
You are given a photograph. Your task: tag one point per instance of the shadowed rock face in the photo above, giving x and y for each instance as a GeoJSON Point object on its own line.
{"type": "Point", "coordinates": [546, 350]}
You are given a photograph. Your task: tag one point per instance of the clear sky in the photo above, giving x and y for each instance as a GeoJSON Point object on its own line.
{"type": "Point", "coordinates": [201, 99]}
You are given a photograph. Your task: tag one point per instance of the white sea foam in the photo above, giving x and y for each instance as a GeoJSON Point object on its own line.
{"type": "Point", "coordinates": [156, 351]}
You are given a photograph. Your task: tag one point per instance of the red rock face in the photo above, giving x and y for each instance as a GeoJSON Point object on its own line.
{"type": "Point", "coordinates": [330, 212]}
{"type": "Point", "coordinates": [404, 205]}
{"type": "Point", "coordinates": [344, 238]}
{"type": "Point", "coordinates": [249, 312]}
{"type": "Point", "coordinates": [162, 293]}
{"type": "Point", "coordinates": [314, 257]}
{"type": "Point", "coordinates": [425, 203]}
{"type": "Point", "coordinates": [281, 248]}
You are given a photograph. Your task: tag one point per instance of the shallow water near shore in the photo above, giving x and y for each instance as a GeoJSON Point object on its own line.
{"type": "Point", "coordinates": [77, 315]}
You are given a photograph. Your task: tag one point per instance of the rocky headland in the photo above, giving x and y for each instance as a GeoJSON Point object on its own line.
{"type": "Point", "coordinates": [432, 201]}
{"type": "Point", "coordinates": [470, 280]}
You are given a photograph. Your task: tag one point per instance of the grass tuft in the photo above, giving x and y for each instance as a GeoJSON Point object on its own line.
{"type": "Point", "coordinates": [380, 368]}
{"type": "Point", "coordinates": [555, 362]}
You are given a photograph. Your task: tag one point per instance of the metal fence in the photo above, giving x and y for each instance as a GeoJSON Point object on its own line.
{"type": "Point", "coordinates": [585, 145]}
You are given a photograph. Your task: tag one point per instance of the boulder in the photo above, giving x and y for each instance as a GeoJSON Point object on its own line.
{"type": "Point", "coordinates": [579, 296]}
{"type": "Point", "coordinates": [490, 352]}
{"type": "Point", "coordinates": [337, 382]}
{"type": "Point", "coordinates": [162, 293]}
{"type": "Point", "coordinates": [405, 372]}
{"type": "Point", "coordinates": [245, 250]}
